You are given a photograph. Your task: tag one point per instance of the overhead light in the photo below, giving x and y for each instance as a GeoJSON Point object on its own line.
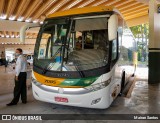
{"type": "Point", "coordinates": [2, 43]}
{"type": "Point", "coordinates": [28, 20]}
{"type": "Point", "coordinates": [20, 19]}
{"type": "Point", "coordinates": [12, 18]}
{"type": "Point", "coordinates": [17, 36]}
{"type": "Point", "coordinates": [2, 36]}
{"type": "Point", "coordinates": [41, 22]}
{"type": "Point", "coordinates": [7, 36]}
{"type": "Point", "coordinates": [3, 17]}
{"type": "Point", "coordinates": [12, 36]}
{"type": "Point", "coordinates": [35, 21]}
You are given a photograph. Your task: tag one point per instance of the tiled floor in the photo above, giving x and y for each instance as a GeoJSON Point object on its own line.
{"type": "Point", "coordinates": [145, 99]}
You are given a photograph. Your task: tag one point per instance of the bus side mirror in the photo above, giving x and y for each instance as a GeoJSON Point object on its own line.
{"type": "Point", "coordinates": [112, 27]}
{"type": "Point", "coordinates": [24, 28]}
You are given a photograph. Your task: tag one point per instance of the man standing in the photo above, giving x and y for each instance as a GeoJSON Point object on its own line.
{"type": "Point", "coordinates": [3, 58]}
{"type": "Point", "coordinates": [3, 55]}
{"type": "Point", "coordinates": [20, 79]}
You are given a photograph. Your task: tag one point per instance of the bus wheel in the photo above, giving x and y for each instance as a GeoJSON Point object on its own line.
{"type": "Point", "coordinates": [122, 83]}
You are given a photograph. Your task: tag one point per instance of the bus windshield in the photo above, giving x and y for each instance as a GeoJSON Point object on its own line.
{"type": "Point", "coordinates": [72, 44]}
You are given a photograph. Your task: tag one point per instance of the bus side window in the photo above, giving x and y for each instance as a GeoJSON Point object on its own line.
{"type": "Point", "coordinates": [114, 50]}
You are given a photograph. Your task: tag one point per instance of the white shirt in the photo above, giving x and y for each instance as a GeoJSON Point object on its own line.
{"type": "Point", "coordinates": [21, 65]}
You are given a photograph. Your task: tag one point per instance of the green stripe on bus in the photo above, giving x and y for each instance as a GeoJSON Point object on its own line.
{"type": "Point", "coordinates": [79, 82]}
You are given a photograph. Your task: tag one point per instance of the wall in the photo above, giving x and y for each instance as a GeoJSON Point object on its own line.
{"type": "Point", "coordinates": [26, 48]}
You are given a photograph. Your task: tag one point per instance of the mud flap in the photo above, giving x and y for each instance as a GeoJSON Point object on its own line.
{"type": "Point", "coordinates": [128, 88]}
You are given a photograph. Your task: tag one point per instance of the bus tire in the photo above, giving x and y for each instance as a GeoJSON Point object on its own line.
{"type": "Point", "coordinates": [122, 82]}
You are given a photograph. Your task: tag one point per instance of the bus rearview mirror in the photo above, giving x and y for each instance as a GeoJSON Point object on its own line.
{"type": "Point", "coordinates": [112, 27]}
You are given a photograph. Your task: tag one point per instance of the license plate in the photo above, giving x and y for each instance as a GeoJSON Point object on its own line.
{"type": "Point", "coordinates": [61, 99]}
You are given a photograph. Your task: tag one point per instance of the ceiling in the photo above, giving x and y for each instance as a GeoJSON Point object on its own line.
{"type": "Point", "coordinates": [20, 12]}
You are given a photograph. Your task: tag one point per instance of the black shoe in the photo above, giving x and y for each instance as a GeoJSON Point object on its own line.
{"type": "Point", "coordinates": [24, 102]}
{"type": "Point", "coordinates": [10, 104]}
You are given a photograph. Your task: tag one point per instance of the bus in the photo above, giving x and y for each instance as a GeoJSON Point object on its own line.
{"type": "Point", "coordinates": [76, 58]}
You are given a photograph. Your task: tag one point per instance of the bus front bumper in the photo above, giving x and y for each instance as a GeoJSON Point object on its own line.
{"type": "Point", "coordinates": [79, 97]}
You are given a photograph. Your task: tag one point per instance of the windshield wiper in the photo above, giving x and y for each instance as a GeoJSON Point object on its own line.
{"type": "Point", "coordinates": [76, 64]}
{"type": "Point", "coordinates": [48, 66]}
{"type": "Point", "coordinates": [45, 69]}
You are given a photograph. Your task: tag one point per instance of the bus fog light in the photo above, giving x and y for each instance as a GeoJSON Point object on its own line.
{"type": "Point", "coordinates": [95, 101]}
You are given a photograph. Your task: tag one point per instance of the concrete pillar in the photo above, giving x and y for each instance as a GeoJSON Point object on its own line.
{"type": "Point", "coordinates": [154, 43]}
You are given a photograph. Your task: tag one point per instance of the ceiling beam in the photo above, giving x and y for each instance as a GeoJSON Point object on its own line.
{"type": "Point", "coordinates": [15, 34]}
{"type": "Point", "coordinates": [126, 5]}
{"type": "Point", "coordinates": [73, 4]}
{"type": "Point", "coordinates": [11, 7]}
{"type": "Point", "coordinates": [99, 2]}
{"type": "Point", "coordinates": [136, 15]}
{"type": "Point", "coordinates": [65, 5]}
{"type": "Point", "coordinates": [106, 2]}
{"type": "Point", "coordinates": [139, 8]}
{"type": "Point", "coordinates": [2, 7]}
{"type": "Point", "coordinates": [32, 8]}
{"type": "Point", "coordinates": [113, 2]}
{"type": "Point", "coordinates": [92, 3]}
{"type": "Point", "coordinates": [133, 8]}
{"type": "Point", "coordinates": [123, 3]}
{"type": "Point", "coordinates": [63, 2]}
{"type": "Point", "coordinates": [120, 2]}
{"type": "Point", "coordinates": [80, 3]}
{"type": "Point", "coordinates": [135, 12]}
{"type": "Point", "coordinates": [87, 3]}
{"type": "Point", "coordinates": [21, 8]}
{"type": "Point", "coordinates": [10, 34]}
{"type": "Point", "coordinates": [35, 35]}
{"type": "Point", "coordinates": [49, 11]}
{"type": "Point", "coordinates": [42, 9]}
{"type": "Point", "coordinates": [137, 21]}
{"type": "Point", "coordinates": [4, 32]}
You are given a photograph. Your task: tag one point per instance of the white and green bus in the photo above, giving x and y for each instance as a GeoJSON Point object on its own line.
{"type": "Point", "coordinates": [76, 58]}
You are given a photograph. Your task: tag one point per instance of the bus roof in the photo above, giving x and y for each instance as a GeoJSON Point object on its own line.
{"type": "Point", "coordinates": [78, 11]}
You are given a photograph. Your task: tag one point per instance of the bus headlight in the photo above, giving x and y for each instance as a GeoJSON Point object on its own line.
{"type": "Point", "coordinates": [98, 86]}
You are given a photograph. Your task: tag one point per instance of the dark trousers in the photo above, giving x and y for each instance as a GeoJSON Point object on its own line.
{"type": "Point", "coordinates": [20, 88]}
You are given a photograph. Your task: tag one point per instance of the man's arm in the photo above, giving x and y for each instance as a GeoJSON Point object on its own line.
{"type": "Point", "coordinates": [18, 68]}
